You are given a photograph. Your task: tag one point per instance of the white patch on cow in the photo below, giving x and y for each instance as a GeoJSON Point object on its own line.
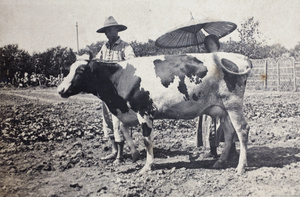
{"type": "Point", "coordinates": [140, 119]}
{"type": "Point", "coordinates": [166, 97]}
{"type": "Point", "coordinates": [128, 104]}
{"type": "Point", "coordinates": [240, 60]}
{"type": "Point", "coordinates": [145, 119]}
{"type": "Point", "coordinates": [162, 96]}
{"type": "Point", "coordinates": [68, 79]}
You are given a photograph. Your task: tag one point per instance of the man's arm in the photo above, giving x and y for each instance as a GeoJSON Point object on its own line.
{"type": "Point", "coordinates": [128, 53]}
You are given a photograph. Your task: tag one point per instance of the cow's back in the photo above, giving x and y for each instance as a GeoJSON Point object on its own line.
{"type": "Point", "coordinates": [173, 83]}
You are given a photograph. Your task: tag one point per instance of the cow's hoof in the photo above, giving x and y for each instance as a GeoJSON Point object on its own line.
{"type": "Point", "coordinates": [219, 165]}
{"type": "Point", "coordinates": [118, 162]}
{"type": "Point", "coordinates": [110, 156]}
{"type": "Point", "coordinates": [135, 156]}
{"type": "Point", "coordinates": [210, 155]}
{"type": "Point", "coordinates": [240, 170]}
{"type": "Point", "coordinates": [146, 168]}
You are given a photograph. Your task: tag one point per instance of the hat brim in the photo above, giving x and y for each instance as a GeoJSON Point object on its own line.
{"type": "Point", "coordinates": [120, 28]}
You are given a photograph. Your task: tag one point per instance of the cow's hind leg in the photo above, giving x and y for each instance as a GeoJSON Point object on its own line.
{"type": "Point", "coordinates": [242, 129]}
{"type": "Point", "coordinates": [228, 135]}
{"type": "Point", "coordinates": [146, 124]}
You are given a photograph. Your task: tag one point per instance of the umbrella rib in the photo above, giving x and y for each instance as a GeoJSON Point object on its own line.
{"type": "Point", "coordinates": [180, 42]}
{"type": "Point", "coordinates": [184, 39]}
{"type": "Point", "coordinates": [224, 29]}
{"type": "Point", "coordinates": [177, 39]}
{"type": "Point", "coordinates": [168, 42]}
{"type": "Point", "coordinates": [171, 40]}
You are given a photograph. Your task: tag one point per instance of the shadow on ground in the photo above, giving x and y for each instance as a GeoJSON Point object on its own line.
{"type": "Point", "coordinates": [258, 157]}
{"type": "Point", "coordinates": [272, 157]}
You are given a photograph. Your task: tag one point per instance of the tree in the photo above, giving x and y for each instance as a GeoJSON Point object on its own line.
{"type": "Point", "coordinates": [54, 61]}
{"type": "Point", "coordinates": [144, 49]}
{"type": "Point", "coordinates": [277, 50]}
{"type": "Point", "coordinates": [12, 59]}
{"type": "Point", "coordinates": [94, 48]}
{"type": "Point", "coordinates": [249, 34]}
{"type": "Point", "coordinates": [230, 46]}
{"type": "Point", "coordinates": [249, 43]}
{"type": "Point", "coordinates": [296, 52]}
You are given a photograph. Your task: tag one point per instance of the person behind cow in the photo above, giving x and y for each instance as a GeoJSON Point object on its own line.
{"type": "Point", "coordinates": [114, 50]}
{"type": "Point", "coordinates": [212, 44]}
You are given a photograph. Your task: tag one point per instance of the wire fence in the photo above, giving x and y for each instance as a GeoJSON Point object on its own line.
{"type": "Point", "coordinates": [274, 75]}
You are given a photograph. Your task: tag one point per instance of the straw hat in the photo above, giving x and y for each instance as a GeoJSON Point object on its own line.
{"type": "Point", "coordinates": [111, 22]}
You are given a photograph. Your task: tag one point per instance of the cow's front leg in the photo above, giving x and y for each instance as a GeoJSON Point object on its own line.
{"type": "Point", "coordinates": [146, 124]}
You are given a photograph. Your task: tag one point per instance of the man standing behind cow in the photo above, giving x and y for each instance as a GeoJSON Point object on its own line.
{"type": "Point", "coordinates": [114, 50]}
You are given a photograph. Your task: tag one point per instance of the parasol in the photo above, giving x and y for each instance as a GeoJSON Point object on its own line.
{"type": "Point", "coordinates": [194, 32]}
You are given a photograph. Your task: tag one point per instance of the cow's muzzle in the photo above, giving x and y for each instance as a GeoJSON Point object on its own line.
{"type": "Point", "coordinates": [62, 92]}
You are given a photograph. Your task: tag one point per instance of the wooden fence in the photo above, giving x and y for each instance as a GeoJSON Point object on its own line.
{"type": "Point", "coordinates": [269, 74]}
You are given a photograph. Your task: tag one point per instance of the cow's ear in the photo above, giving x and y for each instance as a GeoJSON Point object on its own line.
{"type": "Point", "coordinates": [71, 52]}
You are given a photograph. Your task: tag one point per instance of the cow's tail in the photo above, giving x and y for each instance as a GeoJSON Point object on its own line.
{"type": "Point", "coordinates": [231, 68]}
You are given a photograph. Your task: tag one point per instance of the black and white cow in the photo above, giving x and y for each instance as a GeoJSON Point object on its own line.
{"type": "Point", "coordinates": [140, 90]}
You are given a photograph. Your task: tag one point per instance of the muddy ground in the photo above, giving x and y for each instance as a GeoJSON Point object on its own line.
{"type": "Point", "coordinates": [51, 146]}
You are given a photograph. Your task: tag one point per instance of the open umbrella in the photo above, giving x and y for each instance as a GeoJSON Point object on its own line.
{"type": "Point", "coordinates": [194, 32]}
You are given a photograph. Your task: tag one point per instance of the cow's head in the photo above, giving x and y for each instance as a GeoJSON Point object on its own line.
{"type": "Point", "coordinates": [78, 77]}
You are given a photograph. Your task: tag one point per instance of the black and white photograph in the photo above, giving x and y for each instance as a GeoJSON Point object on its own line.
{"type": "Point", "coordinates": [164, 98]}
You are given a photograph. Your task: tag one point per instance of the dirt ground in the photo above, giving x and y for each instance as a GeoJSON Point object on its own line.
{"type": "Point", "coordinates": [51, 146]}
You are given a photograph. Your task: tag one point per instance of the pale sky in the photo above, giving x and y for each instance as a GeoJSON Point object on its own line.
{"type": "Point", "coordinates": [36, 25]}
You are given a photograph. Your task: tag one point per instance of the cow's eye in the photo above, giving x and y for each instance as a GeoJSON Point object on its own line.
{"type": "Point", "coordinates": [80, 70]}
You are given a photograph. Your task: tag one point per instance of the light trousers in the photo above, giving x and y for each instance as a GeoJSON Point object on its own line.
{"type": "Point", "coordinates": [111, 125]}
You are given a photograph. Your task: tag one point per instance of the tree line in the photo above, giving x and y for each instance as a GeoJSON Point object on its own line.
{"type": "Point", "coordinates": [55, 62]}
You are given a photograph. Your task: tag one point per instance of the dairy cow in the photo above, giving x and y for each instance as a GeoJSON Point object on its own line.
{"type": "Point", "coordinates": [141, 90]}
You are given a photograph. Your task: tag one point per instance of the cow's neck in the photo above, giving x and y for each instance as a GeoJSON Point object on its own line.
{"type": "Point", "coordinates": [106, 91]}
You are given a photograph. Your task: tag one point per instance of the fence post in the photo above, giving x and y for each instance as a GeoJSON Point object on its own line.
{"type": "Point", "coordinates": [266, 75]}
{"type": "Point", "coordinates": [278, 76]}
{"type": "Point", "coordinates": [294, 74]}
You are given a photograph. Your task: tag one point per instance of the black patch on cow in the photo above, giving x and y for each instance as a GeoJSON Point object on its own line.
{"type": "Point", "coordinates": [231, 81]}
{"type": "Point", "coordinates": [130, 85]}
{"type": "Point", "coordinates": [146, 130]}
{"type": "Point", "coordinates": [183, 89]}
{"type": "Point", "coordinates": [195, 98]}
{"type": "Point", "coordinates": [141, 102]}
{"type": "Point", "coordinates": [181, 66]}
{"type": "Point", "coordinates": [104, 88]}
{"type": "Point", "coordinates": [229, 78]}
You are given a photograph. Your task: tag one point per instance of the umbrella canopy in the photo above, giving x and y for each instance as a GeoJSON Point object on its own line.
{"type": "Point", "coordinates": [194, 32]}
